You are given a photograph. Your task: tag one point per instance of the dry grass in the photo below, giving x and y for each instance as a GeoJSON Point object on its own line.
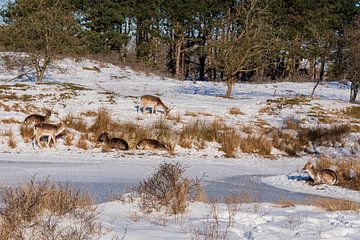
{"type": "Point", "coordinates": [256, 144]}
{"type": "Point", "coordinates": [68, 139]}
{"type": "Point", "coordinates": [11, 140]}
{"type": "Point", "coordinates": [75, 123]}
{"type": "Point", "coordinates": [230, 142]}
{"type": "Point", "coordinates": [330, 204]}
{"type": "Point", "coordinates": [37, 209]}
{"type": "Point", "coordinates": [235, 111]}
{"type": "Point", "coordinates": [286, 142]}
{"type": "Point", "coordinates": [26, 132]}
{"type": "Point", "coordinates": [9, 121]}
{"type": "Point", "coordinates": [162, 131]}
{"type": "Point", "coordinates": [83, 142]}
{"type": "Point", "coordinates": [353, 112]}
{"type": "Point", "coordinates": [89, 114]}
{"type": "Point", "coordinates": [191, 114]}
{"type": "Point", "coordinates": [176, 118]}
{"type": "Point", "coordinates": [103, 119]}
{"type": "Point", "coordinates": [198, 133]}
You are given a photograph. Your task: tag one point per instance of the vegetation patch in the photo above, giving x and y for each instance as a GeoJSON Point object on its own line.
{"type": "Point", "coordinates": [353, 112]}
{"type": "Point", "coordinates": [235, 111]}
{"type": "Point", "coordinates": [38, 210]}
{"type": "Point", "coordinates": [167, 189]}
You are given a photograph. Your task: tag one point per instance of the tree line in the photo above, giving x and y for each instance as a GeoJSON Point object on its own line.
{"type": "Point", "coordinates": [212, 40]}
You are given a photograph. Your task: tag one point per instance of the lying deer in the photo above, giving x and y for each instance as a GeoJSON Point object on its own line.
{"type": "Point", "coordinates": [36, 118]}
{"type": "Point", "coordinates": [47, 129]}
{"type": "Point", "coordinates": [326, 176]}
{"type": "Point", "coordinates": [117, 143]}
{"type": "Point", "coordinates": [154, 102]}
{"type": "Point", "coordinates": [152, 144]}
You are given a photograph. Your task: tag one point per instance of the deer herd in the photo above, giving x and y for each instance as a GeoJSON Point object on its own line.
{"type": "Point", "coordinates": [42, 128]}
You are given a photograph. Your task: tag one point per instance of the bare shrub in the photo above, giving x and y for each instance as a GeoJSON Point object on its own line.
{"type": "Point", "coordinates": [166, 189]}
{"type": "Point", "coordinates": [38, 210]}
{"type": "Point", "coordinates": [256, 144]}
{"type": "Point", "coordinates": [26, 132]}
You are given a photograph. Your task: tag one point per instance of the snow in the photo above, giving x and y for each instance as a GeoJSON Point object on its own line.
{"type": "Point", "coordinates": [109, 172]}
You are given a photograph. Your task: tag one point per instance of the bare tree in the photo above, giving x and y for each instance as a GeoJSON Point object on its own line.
{"type": "Point", "coordinates": [244, 42]}
{"type": "Point", "coordinates": [42, 28]}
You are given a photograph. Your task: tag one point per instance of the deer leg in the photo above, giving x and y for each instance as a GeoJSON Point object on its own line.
{"type": "Point", "coordinates": [53, 138]}
{"type": "Point", "coordinates": [38, 141]}
{"type": "Point", "coordinates": [48, 141]}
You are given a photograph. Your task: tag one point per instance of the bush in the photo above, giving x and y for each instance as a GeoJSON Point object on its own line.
{"type": "Point", "coordinates": [42, 210]}
{"type": "Point", "coordinates": [166, 189]}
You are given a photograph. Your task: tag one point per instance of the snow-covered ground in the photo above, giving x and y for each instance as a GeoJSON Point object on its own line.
{"type": "Point", "coordinates": [77, 91]}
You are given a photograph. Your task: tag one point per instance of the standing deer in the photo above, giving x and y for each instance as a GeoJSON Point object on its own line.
{"type": "Point", "coordinates": [326, 176]}
{"type": "Point", "coordinates": [154, 102]}
{"type": "Point", "coordinates": [152, 144]}
{"type": "Point", "coordinates": [36, 118]}
{"type": "Point", "coordinates": [117, 143]}
{"type": "Point", "coordinates": [47, 129]}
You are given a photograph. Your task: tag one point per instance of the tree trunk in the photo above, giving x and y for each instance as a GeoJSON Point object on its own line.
{"type": "Point", "coordinates": [321, 76]}
{"type": "Point", "coordinates": [354, 90]}
{"type": "Point", "coordinates": [178, 48]}
{"type": "Point", "coordinates": [230, 85]}
{"type": "Point", "coordinates": [202, 67]}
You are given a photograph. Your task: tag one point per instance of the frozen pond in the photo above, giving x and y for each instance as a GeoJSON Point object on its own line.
{"type": "Point", "coordinates": [105, 179]}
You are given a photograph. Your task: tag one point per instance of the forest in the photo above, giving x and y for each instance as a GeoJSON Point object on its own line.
{"type": "Point", "coordinates": [198, 40]}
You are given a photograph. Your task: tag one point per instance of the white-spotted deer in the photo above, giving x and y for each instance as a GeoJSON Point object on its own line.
{"type": "Point", "coordinates": [49, 130]}
{"type": "Point", "coordinates": [152, 144]}
{"type": "Point", "coordinates": [117, 143]}
{"type": "Point", "coordinates": [154, 102]}
{"type": "Point", "coordinates": [326, 176]}
{"type": "Point", "coordinates": [37, 118]}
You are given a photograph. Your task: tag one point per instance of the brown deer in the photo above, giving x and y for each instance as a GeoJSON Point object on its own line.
{"type": "Point", "coordinates": [326, 176]}
{"type": "Point", "coordinates": [37, 118]}
{"type": "Point", "coordinates": [117, 143]}
{"type": "Point", "coordinates": [152, 144]}
{"type": "Point", "coordinates": [154, 102]}
{"type": "Point", "coordinates": [47, 129]}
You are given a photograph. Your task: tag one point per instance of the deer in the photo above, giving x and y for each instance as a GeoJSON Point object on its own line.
{"type": "Point", "coordinates": [154, 102]}
{"type": "Point", "coordinates": [117, 143]}
{"type": "Point", "coordinates": [326, 176]}
{"type": "Point", "coordinates": [47, 129]}
{"type": "Point", "coordinates": [37, 118]}
{"type": "Point", "coordinates": [152, 144]}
